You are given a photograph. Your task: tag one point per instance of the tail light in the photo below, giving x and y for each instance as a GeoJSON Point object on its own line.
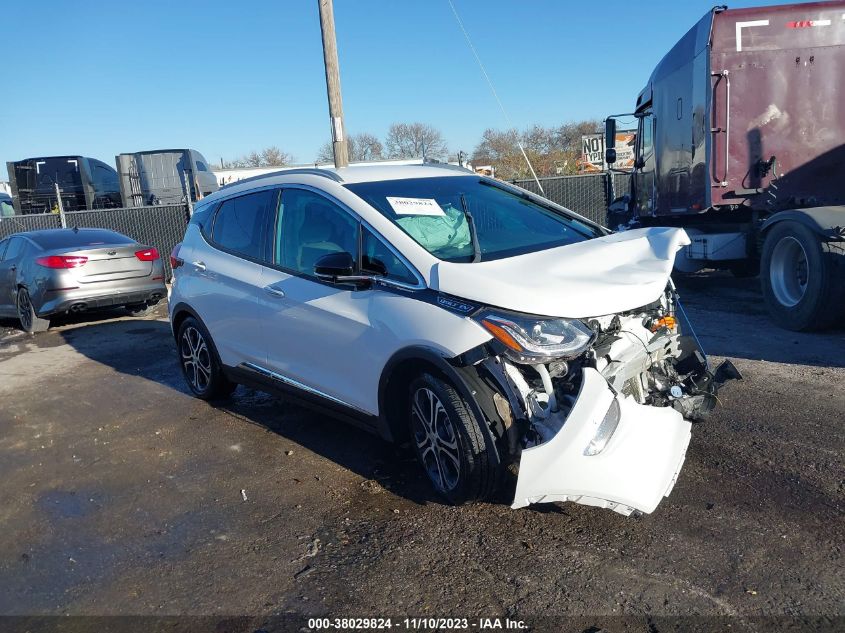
{"type": "Point", "coordinates": [61, 261]}
{"type": "Point", "coordinates": [175, 260]}
{"type": "Point", "coordinates": [148, 255]}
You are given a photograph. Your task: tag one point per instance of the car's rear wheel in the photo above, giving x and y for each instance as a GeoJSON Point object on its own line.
{"type": "Point", "coordinates": [449, 442]}
{"type": "Point", "coordinates": [200, 363]}
{"type": "Point", "coordinates": [30, 322]}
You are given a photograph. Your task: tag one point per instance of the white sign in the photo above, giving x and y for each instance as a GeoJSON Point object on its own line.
{"type": "Point", "coordinates": [415, 206]}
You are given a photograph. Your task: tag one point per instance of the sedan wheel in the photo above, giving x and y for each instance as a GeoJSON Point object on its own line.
{"type": "Point", "coordinates": [30, 322]}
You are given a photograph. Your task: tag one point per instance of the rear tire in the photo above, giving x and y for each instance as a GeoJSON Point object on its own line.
{"type": "Point", "coordinates": [450, 443]}
{"type": "Point", "coordinates": [200, 363]}
{"type": "Point", "coordinates": [802, 277]}
{"type": "Point", "coordinates": [30, 322]}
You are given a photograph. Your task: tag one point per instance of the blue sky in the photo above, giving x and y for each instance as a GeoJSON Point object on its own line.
{"type": "Point", "coordinates": [99, 77]}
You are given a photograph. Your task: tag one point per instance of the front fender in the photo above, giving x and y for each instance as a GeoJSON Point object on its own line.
{"type": "Point", "coordinates": [827, 222]}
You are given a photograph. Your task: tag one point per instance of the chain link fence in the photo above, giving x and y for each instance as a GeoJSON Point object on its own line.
{"type": "Point", "coordinates": [160, 226]}
{"type": "Point", "coordinates": [586, 194]}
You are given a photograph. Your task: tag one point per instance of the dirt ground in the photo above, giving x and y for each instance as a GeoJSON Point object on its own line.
{"type": "Point", "coordinates": [123, 495]}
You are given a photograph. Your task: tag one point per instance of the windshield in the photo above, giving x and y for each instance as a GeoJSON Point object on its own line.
{"type": "Point", "coordinates": [451, 216]}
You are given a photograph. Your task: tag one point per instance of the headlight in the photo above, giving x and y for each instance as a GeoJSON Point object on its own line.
{"type": "Point", "coordinates": [605, 430]}
{"type": "Point", "coordinates": [530, 339]}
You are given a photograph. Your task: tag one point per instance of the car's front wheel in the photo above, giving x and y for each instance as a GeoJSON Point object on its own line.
{"type": "Point", "coordinates": [200, 363]}
{"type": "Point", "coordinates": [458, 457]}
{"type": "Point", "coordinates": [30, 322]}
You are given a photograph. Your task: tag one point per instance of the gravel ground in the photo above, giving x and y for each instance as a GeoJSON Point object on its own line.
{"type": "Point", "coordinates": [123, 495]}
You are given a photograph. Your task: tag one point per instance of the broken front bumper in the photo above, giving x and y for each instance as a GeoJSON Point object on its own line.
{"type": "Point", "coordinates": [636, 469]}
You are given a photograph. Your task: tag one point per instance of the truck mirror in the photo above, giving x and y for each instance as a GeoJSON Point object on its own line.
{"type": "Point", "coordinates": [610, 140]}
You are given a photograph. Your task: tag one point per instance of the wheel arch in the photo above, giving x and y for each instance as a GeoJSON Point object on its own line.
{"type": "Point", "coordinates": [179, 313]}
{"type": "Point", "coordinates": [826, 222]}
{"type": "Point", "coordinates": [409, 362]}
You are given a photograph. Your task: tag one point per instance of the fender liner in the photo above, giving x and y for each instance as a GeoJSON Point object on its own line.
{"type": "Point", "coordinates": [826, 222]}
{"type": "Point", "coordinates": [463, 375]}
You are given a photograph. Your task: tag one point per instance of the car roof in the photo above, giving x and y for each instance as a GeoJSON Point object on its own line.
{"type": "Point", "coordinates": [342, 176]}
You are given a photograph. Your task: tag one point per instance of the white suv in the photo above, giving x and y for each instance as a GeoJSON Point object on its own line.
{"type": "Point", "coordinates": [494, 330]}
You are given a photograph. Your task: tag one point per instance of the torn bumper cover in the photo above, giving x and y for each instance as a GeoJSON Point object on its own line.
{"type": "Point", "coordinates": [636, 468]}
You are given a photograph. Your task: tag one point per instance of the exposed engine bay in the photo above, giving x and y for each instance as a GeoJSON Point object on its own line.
{"type": "Point", "coordinates": [610, 424]}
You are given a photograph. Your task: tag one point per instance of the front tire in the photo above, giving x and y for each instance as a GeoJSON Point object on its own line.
{"type": "Point", "coordinates": [30, 322]}
{"type": "Point", "coordinates": [802, 277]}
{"type": "Point", "coordinates": [200, 363]}
{"type": "Point", "coordinates": [455, 453]}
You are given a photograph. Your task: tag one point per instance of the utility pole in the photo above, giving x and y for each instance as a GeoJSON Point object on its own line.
{"type": "Point", "coordinates": [341, 156]}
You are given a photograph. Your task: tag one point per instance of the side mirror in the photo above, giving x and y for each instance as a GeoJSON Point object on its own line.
{"type": "Point", "coordinates": [338, 268]}
{"type": "Point", "coordinates": [610, 140]}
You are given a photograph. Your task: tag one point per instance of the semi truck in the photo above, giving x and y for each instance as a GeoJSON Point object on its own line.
{"type": "Point", "coordinates": [741, 142]}
{"type": "Point", "coordinates": [82, 182]}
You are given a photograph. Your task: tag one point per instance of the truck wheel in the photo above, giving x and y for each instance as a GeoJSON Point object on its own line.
{"type": "Point", "coordinates": [802, 277]}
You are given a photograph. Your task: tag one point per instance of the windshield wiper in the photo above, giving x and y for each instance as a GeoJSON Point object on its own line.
{"type": "Point", "coordinates": [473, 235]}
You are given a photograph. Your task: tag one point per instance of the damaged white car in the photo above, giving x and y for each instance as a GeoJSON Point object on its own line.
{"type": "Point", "coordinates": [501, 335]}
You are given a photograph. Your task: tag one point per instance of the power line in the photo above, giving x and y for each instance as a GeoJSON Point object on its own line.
{"type": "Point", "coordinates": [495, 94]}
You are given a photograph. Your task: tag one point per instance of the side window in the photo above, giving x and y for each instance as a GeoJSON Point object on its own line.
{"type": "Point", "coordinates": [310, 226]}
{"type": "Point", "coordinates": [201, 166]}
{"type": "Point", "coordinates": [647, 137]}
{"type": "Point", "coordinates": [242, 224]}
{"type": "Point", "coordinates": [377, 258]}
{"type": "Point", "coordinates": [16, 247]}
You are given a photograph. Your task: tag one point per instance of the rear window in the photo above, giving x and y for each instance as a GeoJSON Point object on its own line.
{"type": "Point", "coordinates": [64, 238]}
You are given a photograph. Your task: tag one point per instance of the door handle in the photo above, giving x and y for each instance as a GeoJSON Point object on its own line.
{"type": "Point", "coordinates": [276, 292]}
{"type": "Point", "coordinates": [198, 265]}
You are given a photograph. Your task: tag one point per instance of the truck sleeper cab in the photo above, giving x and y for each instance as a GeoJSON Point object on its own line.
{"type": "Point", "coordinates": [740, 142]}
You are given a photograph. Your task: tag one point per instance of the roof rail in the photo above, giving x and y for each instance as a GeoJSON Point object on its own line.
{"type": "Point", "coordinates": [447, 166]}
{"type": "Point", "coordinates": [313, 171]}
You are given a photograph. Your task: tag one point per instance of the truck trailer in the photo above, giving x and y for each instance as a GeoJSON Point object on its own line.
{"type": "Point", "coordinates": [164, 176]}
{"type": "Point", "coordinates": [741, 142]}
{"type": "Point", "coordinates": [81, 182]}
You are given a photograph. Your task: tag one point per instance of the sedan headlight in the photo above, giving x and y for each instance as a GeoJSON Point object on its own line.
{"type": "Point", "coordinates": [529, 339]}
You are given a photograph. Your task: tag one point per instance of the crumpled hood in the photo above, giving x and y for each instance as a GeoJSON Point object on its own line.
{"type": "Point", "coordinates": [601, 276]}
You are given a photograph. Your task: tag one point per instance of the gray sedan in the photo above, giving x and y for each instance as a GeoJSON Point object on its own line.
{"type": "Point", "coordinates": [44, 273]}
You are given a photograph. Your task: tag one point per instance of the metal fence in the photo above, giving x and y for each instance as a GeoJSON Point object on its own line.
{"type": "Point", "coordinates": [160, 226]}
{"type": "Point", "coordinates": [587, 194]}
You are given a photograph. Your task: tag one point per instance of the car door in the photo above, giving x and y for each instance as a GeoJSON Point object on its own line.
{"type": "Point", "coordinates": [226, 275]}
{"type": "Point", "coordinates": [11, 251]}
{"type": "Point", "coordinates": [322, 337]}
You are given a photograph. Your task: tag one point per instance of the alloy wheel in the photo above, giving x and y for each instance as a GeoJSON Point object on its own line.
{"type": "Point", "coordinates": [25, 309]}
{"type": "Point", "coordinates": [436, 440]}
{"type": "Point", "coordinates": [196, 359]}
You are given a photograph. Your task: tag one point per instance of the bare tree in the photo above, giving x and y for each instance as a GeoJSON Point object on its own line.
{"type": "Point", "coordinates": [268, 157]}
{"type": "Point", "coordinates": [551, 151]}
{"type": "Point", "coordinates": [363, 146]}
{"type": "Point", "coordinates": [415, 140]}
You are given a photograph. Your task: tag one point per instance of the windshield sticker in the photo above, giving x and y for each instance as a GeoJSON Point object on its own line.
{"type": "Point", "coordinates": [415, 206]}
